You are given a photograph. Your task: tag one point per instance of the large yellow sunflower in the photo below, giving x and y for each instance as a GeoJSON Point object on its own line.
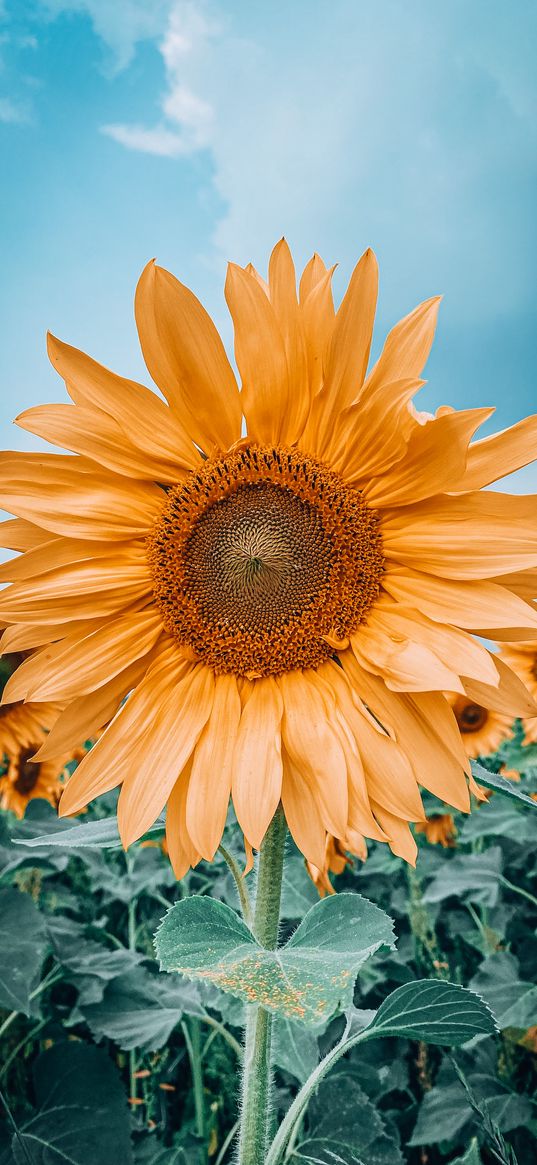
{"type": "Point", "coordinates": [482, 729]}
{"type": "Point", "coordinates": [285, 579]}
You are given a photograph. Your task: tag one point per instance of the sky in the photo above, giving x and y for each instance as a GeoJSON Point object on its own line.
{"type": "Point", "coordinates": [200, 132]}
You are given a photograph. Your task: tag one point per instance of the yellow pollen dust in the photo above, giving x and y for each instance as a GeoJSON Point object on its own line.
{"type": "Point", "coordinates": [262, 559]}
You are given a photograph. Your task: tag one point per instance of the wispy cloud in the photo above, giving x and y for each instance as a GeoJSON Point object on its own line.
{"type": "Point", "coordinates": [121, 24]}
{"type": "Point", "coordinates": [159, 140]}
{"type": "Point", "coordinates": [13, 112]}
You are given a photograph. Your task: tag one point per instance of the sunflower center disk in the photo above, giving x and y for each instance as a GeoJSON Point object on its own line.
{"type": "Point", "coordinates": [260, 557]}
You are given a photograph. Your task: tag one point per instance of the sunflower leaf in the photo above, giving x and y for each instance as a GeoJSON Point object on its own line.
{"type": "Point", "coordinates": [434, 1011]}
{"type": "Point", "coordinates": [23, 949]}
{"type": "Point", "coordinates": [499, 784]}
{"type": "Point", "coordinates": [102, 834]}
{"type": "Point", "coordinates": [308, 979]}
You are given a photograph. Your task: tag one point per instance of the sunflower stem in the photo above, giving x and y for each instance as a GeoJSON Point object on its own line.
{"type": "Point", "coordinates": [256, 1079]}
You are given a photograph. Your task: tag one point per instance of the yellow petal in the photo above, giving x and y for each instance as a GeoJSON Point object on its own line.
{"type": "Point", "coordinates": [85, 715]}
{"type": "Point", "coordinates": [475, 535]}
{"type": "Point", "coordinates": [434, 460]}
{"type": "Point", "coordinates": [60, 494]}
{"type": "Point", "coordinates": [302, 815]}
{"type": "Point", "coordinates": [174, 734]}
{"type": "Point", "coordinates": [186, 358]}
{"type": "Point", "coordinates": [473, 604]}
{"type": "Point", "coordinates": [181, 851]}
{"type": "Point", "coordinates": [257, 777]}
{"type": "Point", "coordinates": [402, 843]}
{"type": "Point", "coordinates": [260, 355]}
{"type": "Point", "coordinates": [501, 453]}
{"type": "Point", "coordinates": [314, 747]}
{"type": "Point", "coordinates": [282, 282]}
{"type": "Point", "coordinates": [17, 534]}
{"type": "Point", "coordinates": [146, 421]}
{"type": "Point", "coordinates": [98, 436]}
{"type": "Point", "coordinates": [128, 741]}
{"type": "Point", "coordinates": [80, 664]}
{"type": "Point", "coordinates": [407, 347]}
{"type": "Point", "coordinates": [81, 590]}
{"type": "Point", "coordinates": [210, 780]}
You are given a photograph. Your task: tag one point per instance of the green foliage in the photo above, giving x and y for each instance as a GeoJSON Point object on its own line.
{"type": "Point", "coordinates": [82, 1114]}
{"type": "Point", "coordinates": [23, 948]}
{"type": "Point", "coordinates": [78, 919]}
{"type": "Point", "coordinates": [434, 1011]}
{"type": "Point", "coordinates": [345, 1128]}
{"type": "Point", "coordinates": [307, 979]}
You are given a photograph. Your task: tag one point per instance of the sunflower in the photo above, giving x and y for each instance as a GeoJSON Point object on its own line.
{"type": "Point", "coordinates": [439, 829]}
{"type": "Point", "coordinates": [482, 729]}
{"type": "Point", "coordinates": [522, 658]}
{"type": "Point", "coordinates": [284, 580]}
{"type": "Point", "coordinates": [23, 729]}
{"type": "Point", "coordinates": [336, 858]}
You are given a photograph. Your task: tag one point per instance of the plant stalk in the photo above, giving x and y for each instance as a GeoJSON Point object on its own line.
{"type": "Point", "coordinates": [256, 1079]}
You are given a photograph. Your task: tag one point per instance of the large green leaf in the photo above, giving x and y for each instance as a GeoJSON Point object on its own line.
{"type": "Point", "coordinates": [499, 818]}
{"type": "Point", "coordinates": [307, 979]}
{"type": "Point", "coordinates": [82, 1112]}
{"type": "Point", "coordinates": [140, 1009]}
{"type": "Point", "coordinates": [472, 1155]}
{"type": "Point", "coordinates": [22, 949]}
{"type": "Point", "coordinates": [500, 784]}
{"type": "Point", "coordinates": [476, 877]}
{"type": "Point", "coordinates": [514, 1002]}
{"type": "Point", "coordinates": [294, 1048]}
{"type": "Point", "coordinates": [87, 964]}
{"type": "Point", "coordinates": [101, 834]}
{"type": "Point", "coordinates": [434, 1011]}
{"type": "Point", "coordinates": [345, 1128]}
{"type": "Point", "coordinates": [445, 1110]}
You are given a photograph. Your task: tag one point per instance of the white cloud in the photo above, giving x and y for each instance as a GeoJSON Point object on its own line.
{"type": "Point", "coordinates": [160, 141]}
{"type": "Point", "coordinates": [368, 122]}
{"type": "Point", "coordinates": [121, 24]}
{"type": "Point", "coordinates": [13, 112]}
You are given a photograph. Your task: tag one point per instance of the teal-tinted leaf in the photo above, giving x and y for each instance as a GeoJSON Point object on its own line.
{"type": "Point", "coordinates": [21, 951]}
{"type": "Point", "coordinates": [345, 1128]}
{"type": "Point", "coordinates": [445, 1109]}
{"type": "Point", "coordinates": [434, 1011]}
{"type": "Point", "coordinates": [298, 891]}
{"type": "Point", "coordinates": [295, 1048]}
{"type": "Point", "coordinates": [443, 1113]}
{"type": "Point", "coordinates": [89, 965]}
{"type": "Point", "coordinates": [500, 784]}
{"type": "Point", "coordinates": [476, 877]}
{"type": "Point", "coordinates": [307, 979]}
{"type": "Point", "coordinates": [472, 1155]}
{"type": "Point", "coordinates": [499, 818]}
{"type": "Point", "coordinates": [82, 1111]}
{"type": "Point", "coordinates": [140, 1009]}
{"type": "Point", "coordinates": [101, 834]}
{"type": "Point", "coordinates": [514, 1002]}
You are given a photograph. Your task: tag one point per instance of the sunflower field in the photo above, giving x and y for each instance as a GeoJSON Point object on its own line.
{"type": "Point", "coordinates": [106, 1059]}
{"type": "Point", "coordinates": [268, 745]}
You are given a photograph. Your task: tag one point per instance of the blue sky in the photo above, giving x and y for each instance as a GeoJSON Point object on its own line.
{"type": "Point", "coordinates": [198, 132]}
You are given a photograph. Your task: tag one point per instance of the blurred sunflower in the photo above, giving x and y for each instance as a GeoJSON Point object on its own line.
{"type": "Point", "coordinates": [336, 858]}
{"type": "Point", "coordinates": [286, 598]}
{"type": "Point", "coordinates": [522, 658]}
{"type": "Point", "coordinates": [482, 730]}
{"type": "Point", "coordinates": [439, 829]}
{"type": "Point", "coordinates": [23, 728]}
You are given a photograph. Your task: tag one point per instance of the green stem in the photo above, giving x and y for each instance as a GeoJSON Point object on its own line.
{"type": "Point", "coordinates": [219, 1029]}
{"type": "Point", "coordinates": [50, 979]}
{"type": "Point", "coordinates": [518, 890]}
{"type": "Point", "coordinates": [256, 1080]}
{"type": "Point", "coordinates": [192, 1034]}
{"type": "Point", "coordinates": [226, 1144]}
{"type": "Point", "coordinates": [132, 947]}
{"type": "Point", "coordinates": [296, 1111]}
{"type": "Point", "coordinates": [238, 878]}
